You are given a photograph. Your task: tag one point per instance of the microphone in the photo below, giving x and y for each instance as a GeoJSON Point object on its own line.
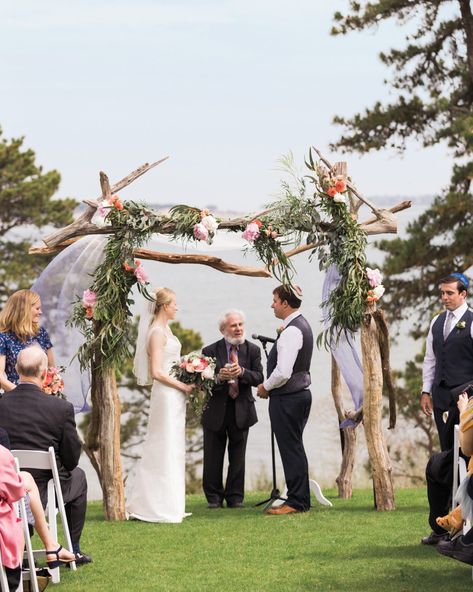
{"type": "Point", "coordinates": [263, 339]}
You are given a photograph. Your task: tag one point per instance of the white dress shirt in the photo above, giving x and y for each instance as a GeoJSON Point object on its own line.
{"type": "Point", "coordinates": [428, 368]}
{"type": "Point", "coordinates": [288, 346]}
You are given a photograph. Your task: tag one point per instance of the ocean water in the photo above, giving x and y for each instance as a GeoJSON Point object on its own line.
{"type": "Point", "coordinates": [203, 293]}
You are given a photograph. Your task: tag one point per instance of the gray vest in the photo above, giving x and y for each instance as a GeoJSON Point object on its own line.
{"type": "Point", "coordinates": [454, 355]}
{"type": "Point", "coordinates": [300, 378]}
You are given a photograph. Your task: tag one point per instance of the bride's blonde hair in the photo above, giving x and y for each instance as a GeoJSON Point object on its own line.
{"type": "Point", "coordinates": [162, 296]}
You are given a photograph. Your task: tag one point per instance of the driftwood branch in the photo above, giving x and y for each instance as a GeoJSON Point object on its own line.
{"type": "Point", "coordinates": [351, 187]}
{"type": "Point", "coordinates": [211, 261]}
{"type": "Point", "coordinates": [82, 226]}
{"type": "Point", "coordinates": [175, 258]}
{"type": "Point", "coordinates": [371, 226]}
{"type": "Point", "coordinates": [383, 337]}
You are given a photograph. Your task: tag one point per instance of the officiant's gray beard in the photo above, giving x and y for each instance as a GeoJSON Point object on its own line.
{"type": "Point", "coordinates": [235, 340]}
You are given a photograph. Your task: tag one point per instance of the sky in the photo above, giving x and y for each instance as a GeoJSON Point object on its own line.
{"type": "Point", "coordinates": [223, 87]}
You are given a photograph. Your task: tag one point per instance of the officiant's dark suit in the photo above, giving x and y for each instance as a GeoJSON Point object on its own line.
{"type": "Point", "coordinates": [36, 421]}
{"type": "Point", "coordinates": [230, 413]}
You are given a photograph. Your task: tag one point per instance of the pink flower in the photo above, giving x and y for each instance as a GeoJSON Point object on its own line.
{"type": "Point", "coordinates": [251, 232]}
{"type": "Point", "coordinates": [200, 232]}
{"type": "Point", "coordinates": [141, 275]}
{"type": "Point", "coordinates": [89, 299]}
{"type": "Point", "coordinates": [374, 277]}
{"type": "Point", "coordinates": [190, 367]}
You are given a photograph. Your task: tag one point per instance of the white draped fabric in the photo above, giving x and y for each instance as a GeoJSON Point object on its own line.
{"type": "Point", "coordinates": [60, 284]}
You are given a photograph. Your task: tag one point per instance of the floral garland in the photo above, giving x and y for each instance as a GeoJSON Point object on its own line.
{"type": "Point", "coordinates": [103, 313]}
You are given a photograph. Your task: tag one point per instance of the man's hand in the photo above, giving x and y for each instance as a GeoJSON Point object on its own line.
{"type": "Point", "coordinates": [426, 404]}
{"type": "Point", "coordinates": [261, 392]}
{"type": "Point", "coordinates": [230, 372]}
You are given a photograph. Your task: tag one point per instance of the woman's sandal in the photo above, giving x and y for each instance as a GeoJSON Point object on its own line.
{"type": "Point", "coordinates": [57, 562]}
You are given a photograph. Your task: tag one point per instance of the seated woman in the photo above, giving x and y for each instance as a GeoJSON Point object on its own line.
{"type": "Point", "coordinates": [461, 548]}
{"type": "Point", "coordinates": [453, 522]}
{"type": "Point", "coordinates": [12, 488]}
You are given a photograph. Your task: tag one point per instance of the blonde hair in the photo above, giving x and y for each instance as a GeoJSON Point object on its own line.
{"type": "Point", "coordinates": [162, 296]}
{"type": "Point", "coordinates": [16, 315]}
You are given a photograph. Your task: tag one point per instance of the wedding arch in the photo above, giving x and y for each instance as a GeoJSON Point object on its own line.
{"type": "Point", "coordinates": [318, 212]}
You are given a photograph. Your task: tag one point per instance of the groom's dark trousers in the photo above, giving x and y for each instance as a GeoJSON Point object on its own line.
{"type": "Point", "coordinates": [35, 421]}
{"type": "Point", "coordinates": [228, 420]}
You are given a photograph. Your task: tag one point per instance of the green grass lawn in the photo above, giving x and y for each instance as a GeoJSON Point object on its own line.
{"type": "Point", "coordinates": [349, 547]}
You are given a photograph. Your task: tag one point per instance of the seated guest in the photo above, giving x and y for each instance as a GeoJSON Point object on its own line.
{"type": "Point", "coordinates": [20, 328]}
{"type": "Point", "coordinates": [35, 421]}
{"type": "Point", "coordinates": [461, 548]}
{"type": "Point", "coordinates": [11, 533]}
{"type": "Point", "coordinates": [14, 486]}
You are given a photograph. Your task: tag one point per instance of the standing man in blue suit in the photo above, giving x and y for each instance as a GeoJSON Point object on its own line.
{"type": "Point", "coordinates": [287, 387]}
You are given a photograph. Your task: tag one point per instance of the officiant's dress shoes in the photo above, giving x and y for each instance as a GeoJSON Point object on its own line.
{"type": "Point", "coordinates": [457, 549]}
{"type": "Point", "coordinates": [235, 505]}
{"type": "Point", "coordinates": [434, 538]}
{"type": "Point", "coordinates": [281, 510]}
{"type": "Point", "coordinates": [214, 505]}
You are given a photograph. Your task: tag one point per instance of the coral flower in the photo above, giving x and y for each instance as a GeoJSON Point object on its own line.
{"type": "Point", "coordinates": [340, 186]}
{"type": "Point", "coordinates": [331, 191]}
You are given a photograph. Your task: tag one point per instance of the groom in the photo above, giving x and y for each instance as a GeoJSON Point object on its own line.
{"type": "Point", "coordinates": [289, 396]}
{"type": "Point", "coordinates": [230, 412]}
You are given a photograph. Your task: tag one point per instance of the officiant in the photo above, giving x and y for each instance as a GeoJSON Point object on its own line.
{"type": "Point", "coordinates": [230, 412]}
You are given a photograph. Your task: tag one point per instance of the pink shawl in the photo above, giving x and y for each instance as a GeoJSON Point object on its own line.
{"type": "Point", "coordinates": [11, 490]}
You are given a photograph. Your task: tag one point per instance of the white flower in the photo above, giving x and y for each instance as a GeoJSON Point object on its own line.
{"type": "Point", "coordinates": [378, 291]}
{"type": "Point", "coordinates": [101, 213]}
{"type": "Point", "coordinates": [339, 198]}
{"type": "Point", "coordinates": [210, 223]}
{"type": "Point", "coordinates": [208, 373]}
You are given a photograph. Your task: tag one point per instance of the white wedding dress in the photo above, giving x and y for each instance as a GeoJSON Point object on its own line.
{"type": "Point", "coordinates": [158, 493]}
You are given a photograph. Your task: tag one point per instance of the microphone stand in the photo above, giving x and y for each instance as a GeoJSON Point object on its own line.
{"type": "Point", "coordinates": [275, 493]}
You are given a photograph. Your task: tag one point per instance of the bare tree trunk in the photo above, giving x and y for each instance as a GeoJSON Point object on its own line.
{"type": "Point", "coordinates": [347, 437]}
{"type": "Point", "coordinates": [373, 386]}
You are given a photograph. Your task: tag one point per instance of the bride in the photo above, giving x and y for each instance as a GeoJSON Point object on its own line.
{"type": "Point", "coordinates": [158, 493]}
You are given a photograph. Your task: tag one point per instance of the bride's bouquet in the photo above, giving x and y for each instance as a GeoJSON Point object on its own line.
{"type": "Point", "coordinates": [199, 371]}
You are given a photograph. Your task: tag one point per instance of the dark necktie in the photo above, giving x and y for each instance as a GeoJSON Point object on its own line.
{"type": "Point", "coordinates": [233, 389]}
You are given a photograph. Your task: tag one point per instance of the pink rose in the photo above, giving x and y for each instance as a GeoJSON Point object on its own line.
{"type": "Point", "coordinates": [89, 299]}
{"type": "Point", "coordinates": [251, 232]}
{"type": "Point", "coordinates": [374, 277]}
{"type": "Point", "coordinates": [200, 232]}
{"type": "Point", "coordinates": [189, 367]}
{"type": "Point", "coordinates": [141, 275]}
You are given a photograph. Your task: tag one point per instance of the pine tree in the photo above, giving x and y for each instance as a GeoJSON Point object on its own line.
{"type": "Point", "coordinates": [26, 201]}
{"type": "Point", "coordinates": [432, 83]}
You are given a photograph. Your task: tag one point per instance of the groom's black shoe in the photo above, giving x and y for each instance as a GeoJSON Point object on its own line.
{"type": "Point", "coordinates": [235, 505]}
{"type": "Point", "coordinates": [434, 538]}
{"type": "Point", "coordinates": [214, 505]}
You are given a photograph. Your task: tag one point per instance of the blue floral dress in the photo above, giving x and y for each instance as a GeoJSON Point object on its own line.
{"type": "Point", "coordinates": [11, 346]}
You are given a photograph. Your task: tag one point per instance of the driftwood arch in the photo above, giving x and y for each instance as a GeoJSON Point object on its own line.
{"type": "Point", "coordinates": [103, 438]}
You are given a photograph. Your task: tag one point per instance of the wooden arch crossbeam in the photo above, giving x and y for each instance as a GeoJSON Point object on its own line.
{"type": "Point", "coordinates": [383, 221]}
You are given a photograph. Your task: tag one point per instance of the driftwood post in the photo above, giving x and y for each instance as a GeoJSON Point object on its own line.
{"type": "Point", "coordinates": [347, 438]}
{"type": "Point", "coordinates": [372, 405]}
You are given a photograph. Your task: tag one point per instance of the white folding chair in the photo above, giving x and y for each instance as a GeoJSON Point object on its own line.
{"type": "Point", "coordinates": [38, 459]}
{"type": "Point", "coordinates": [459, 464]}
